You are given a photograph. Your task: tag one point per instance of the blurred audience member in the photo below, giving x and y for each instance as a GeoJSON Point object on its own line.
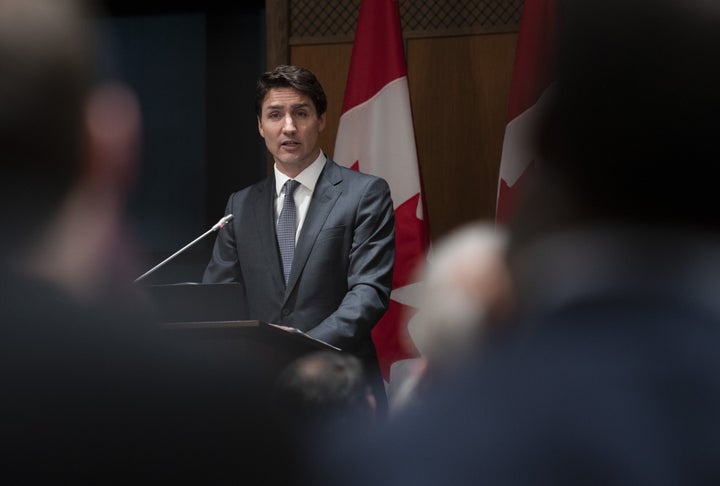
{"type": "Point", "coordinates": [324, 394]}
{"type": "Point", "coordinates": [613, 377]}
{"type": "Point", "coordinates": [323, 389]}
{"type": "Point", "coordinates": [68, 152]}
{"type": "Point", "coordinates": [91, 392]}
{"type": "Point", "coordinates": [466, 294]}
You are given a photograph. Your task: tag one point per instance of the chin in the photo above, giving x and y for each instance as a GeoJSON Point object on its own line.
{"type": "Point", "coordinates": [294, 161]}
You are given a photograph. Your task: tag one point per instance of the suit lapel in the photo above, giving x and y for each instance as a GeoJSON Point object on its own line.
{"type": "Point", "coordinates": [264, 219]}
{"type": "Point", "coordinates": [326, 194]}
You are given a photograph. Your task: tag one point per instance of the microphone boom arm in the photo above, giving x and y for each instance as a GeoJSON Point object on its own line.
{"type": "Point", "coordinates": [216, 227]}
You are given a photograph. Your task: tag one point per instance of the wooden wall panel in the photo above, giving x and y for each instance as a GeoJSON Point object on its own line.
{"type": "Point", "coordinates": [459, 89]}
{"type": "Point", "coordinates": [277, 21]}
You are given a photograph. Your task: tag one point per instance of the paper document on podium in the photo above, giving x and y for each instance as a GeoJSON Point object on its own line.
{"type": "Point", "coordinates": [293, 330]}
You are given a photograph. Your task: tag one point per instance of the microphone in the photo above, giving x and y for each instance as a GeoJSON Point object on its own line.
{"type": "Point", "coordinates": [217, 226]}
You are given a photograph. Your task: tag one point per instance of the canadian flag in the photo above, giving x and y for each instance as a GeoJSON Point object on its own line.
{"type": "Point", "coordinates": [376, 136]}
{"type": "Point", "coordinates": [532, 76]}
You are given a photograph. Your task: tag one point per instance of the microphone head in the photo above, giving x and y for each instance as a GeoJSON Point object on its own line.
{"type": "Point", "coordinates": [223, 221]}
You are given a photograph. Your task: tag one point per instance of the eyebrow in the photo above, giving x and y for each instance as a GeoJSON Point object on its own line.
{"type": "Point", "coordinates": [293, 107]}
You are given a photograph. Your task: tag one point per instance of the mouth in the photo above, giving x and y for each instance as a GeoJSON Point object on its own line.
{"type": "Point", "coordinates": [290, 144]}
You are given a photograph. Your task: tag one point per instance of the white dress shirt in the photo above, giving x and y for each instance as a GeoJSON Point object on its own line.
{"type": "Point", "coordinates": [303, 193]}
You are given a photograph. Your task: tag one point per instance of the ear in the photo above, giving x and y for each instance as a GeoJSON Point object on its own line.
{"type": "Point", "coordinates": [321, 122]}
{"type": "Point", "coordinates": [260, 128]}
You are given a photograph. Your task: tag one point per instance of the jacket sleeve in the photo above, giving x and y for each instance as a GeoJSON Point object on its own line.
{"type": "Point", "coordinates": [224, 266]}
{"type": "Point", "coordinates": [370, 271]}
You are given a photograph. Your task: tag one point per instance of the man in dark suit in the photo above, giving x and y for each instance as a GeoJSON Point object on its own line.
{"type": "Point", "coordinates": [613, 377]}
{"type": "Point", "coordinates": [336, 285]}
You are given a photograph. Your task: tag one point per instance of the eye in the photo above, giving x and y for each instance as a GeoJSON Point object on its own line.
{"type": "Point", "coordinates": [273, 115]}
{"type": "Point", "coordinates": [302, 114]}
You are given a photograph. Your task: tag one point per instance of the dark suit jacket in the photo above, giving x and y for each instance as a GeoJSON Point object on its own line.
{"type": "Point", "coordinates": [340, 280]}
{"type": "Point", "coordinates": [603, 393]}
{"type": "Point", "coordinates": [618, 385]}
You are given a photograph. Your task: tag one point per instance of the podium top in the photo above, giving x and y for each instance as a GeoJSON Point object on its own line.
{"type": "Point", "coordinates": [191, 302]}
{"type": "Point", "coordinates": [245, 329]}
{"type": "Point", "coordinates": [215, 310]}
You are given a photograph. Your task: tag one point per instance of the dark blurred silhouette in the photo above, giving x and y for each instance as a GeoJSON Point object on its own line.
{"type": "Point", "coordinates": [613, 376]}
{"type": "Point", "coordinates": [68, 151]}
{"type": "Point", "coordinates": [466, 300]}
{"type": "Point", "coordinates": [324, 394]}
{"type": "Point", "coordinates": [324, 389]}
{"type": "Point", "coordinates": [92, 390]}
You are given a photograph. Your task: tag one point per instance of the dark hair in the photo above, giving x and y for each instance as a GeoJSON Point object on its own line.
{"type": "Point", "coordinates": [295, 77]}
{"type": "Point", "coordinates": [322, 386]}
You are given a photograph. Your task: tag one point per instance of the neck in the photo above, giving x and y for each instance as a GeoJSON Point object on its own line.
{"type": "Point", "coordinates": [294, 170]}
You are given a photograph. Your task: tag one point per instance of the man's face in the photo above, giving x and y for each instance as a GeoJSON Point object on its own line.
{"type": "Point", "coordinates": [290, 126]}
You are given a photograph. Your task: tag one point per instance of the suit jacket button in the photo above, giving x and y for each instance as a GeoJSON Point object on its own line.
{"type": "Point", "coordinates": [286, 312]}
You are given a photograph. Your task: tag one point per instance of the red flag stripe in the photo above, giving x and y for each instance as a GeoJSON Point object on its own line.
{"type": "Point", "coordinates": [532, 72]}
{"type": "Point", "coordinates": [378, 56]}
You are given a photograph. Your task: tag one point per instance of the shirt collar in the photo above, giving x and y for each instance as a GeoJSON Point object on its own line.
{"type": "Point", "coordinates": [307, 178]}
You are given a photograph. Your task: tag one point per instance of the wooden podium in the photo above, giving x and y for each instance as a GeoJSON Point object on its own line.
{"type": "Point", "coordinates": [213, 317]}
{"type": "Point", "coordinates": [267, 344]}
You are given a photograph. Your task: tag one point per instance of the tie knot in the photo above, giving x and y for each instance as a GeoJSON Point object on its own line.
{"type": "Point", "coordinates": [290, 186]}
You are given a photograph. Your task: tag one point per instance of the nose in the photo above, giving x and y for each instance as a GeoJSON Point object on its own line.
{"type": "Point", "coordinates": [288, 124]}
